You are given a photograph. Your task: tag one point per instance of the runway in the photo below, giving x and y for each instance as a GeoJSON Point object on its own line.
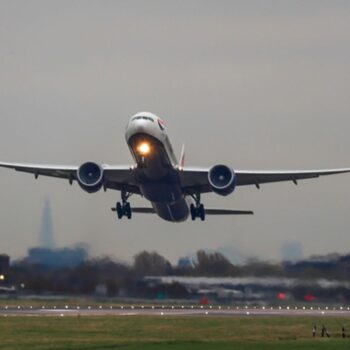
{"type": "Point", "coordinates": [217, 311]}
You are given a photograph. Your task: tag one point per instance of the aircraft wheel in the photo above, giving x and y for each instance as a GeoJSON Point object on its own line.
{"type": "Point", "coordinates": [128, 210]}
{"type": "Point", "coordinates": [201, 212]}
{"type": "Point", "coordinates": [193, 212]}
{"type": "Point", "coordinates": [119, 210]}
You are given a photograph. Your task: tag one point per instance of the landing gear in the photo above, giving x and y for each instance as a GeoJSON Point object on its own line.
{"type": "Point", "coordinates": [123, 208]}
{"type": "Point", "coordinates": [197, 210]}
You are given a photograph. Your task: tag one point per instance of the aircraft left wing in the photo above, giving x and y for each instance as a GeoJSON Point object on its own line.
{"type": "Point", "coordinates": [60, 171]}
{"type": "Point", "coordinates": [115, 177]}
{"type": "Point", "coordinates": [196, 179]}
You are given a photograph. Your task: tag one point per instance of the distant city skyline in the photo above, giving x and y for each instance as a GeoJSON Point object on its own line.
{"type": "Point", "coordinates": [292, 251]}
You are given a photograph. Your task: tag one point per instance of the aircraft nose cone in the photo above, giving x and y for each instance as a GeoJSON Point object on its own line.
{"type": "Point", "coordinates": [144, 123]}
{"type": "Point", "coordinates": [140, 126]}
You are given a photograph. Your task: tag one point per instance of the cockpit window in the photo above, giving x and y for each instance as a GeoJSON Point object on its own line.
{"type": "Point", "coordinates": [143, 117]}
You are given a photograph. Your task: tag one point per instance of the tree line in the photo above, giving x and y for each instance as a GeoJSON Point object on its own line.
{"type": "Point", "coordinates": [121, 278]}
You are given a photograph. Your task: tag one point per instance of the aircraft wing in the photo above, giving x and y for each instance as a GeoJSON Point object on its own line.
{"type": "Point", "coordinates": [196, 179]}
{"type": "Point", "coordinates": [116, 177]}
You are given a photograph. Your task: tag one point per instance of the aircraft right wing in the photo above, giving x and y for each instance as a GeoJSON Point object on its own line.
{"type": "Point", "coordinates": [260, 177]}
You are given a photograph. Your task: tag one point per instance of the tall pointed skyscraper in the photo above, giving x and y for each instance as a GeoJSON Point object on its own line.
{"type": "Point", "coordinates": [46, 239]}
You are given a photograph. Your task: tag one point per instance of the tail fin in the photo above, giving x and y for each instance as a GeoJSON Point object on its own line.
{"type": "Point", "coordinates": [182, 158]}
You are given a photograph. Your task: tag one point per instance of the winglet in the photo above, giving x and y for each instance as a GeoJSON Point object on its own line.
{"type": "Point", "coordinates": [182, 158]}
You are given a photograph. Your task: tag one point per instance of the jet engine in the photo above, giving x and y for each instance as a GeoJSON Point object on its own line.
{"type": "Point", "coordinates": [90, 177]}
{"type": "Point", "coordinates": [222, 179]}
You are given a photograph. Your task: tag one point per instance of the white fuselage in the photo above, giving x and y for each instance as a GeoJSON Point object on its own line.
{"type": "Point", "coordinates": [156, 172]}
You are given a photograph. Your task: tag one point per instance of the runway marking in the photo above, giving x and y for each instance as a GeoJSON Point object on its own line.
{"type": "Point", "coordinates": [175, 310]}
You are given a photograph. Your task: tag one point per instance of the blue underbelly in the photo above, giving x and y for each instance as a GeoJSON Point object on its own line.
{"type": "Point", "coordinates": [167, 199]}
{"type": "Point", "coordinates": [161, 191]}
{"type": "Point", "coordinates": [174, 212]}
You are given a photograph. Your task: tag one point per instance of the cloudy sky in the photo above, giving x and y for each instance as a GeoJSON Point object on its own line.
{"type": "Point", "coordinates": [256, 85]}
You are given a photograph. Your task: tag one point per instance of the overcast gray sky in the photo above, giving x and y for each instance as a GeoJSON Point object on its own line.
{"type": "Point", "coordinates": [253, 84]}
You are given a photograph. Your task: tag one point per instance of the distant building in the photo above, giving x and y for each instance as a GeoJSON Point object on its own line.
{"type": "Point", "coordinates": [4, 267]}
{"type": "Point", "coordinates": [4, 263]}
{"type": "Point", "coordinates": [46, 238]}
{"type": "Point", "coordinates": [57, 257]}
{"type": "Point", "coordinates": [248, 288]}
{"type": "Point", "coordinates": [292, 251]}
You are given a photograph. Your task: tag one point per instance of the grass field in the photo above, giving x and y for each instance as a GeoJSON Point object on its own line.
{"type": "Point", "coordinates": [136, 332]}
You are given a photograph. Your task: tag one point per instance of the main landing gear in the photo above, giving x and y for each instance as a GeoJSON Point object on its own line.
{"type": "Point", "coordinates": [123, 208]}
{"type": "Point", "coordinates": [197, 210]}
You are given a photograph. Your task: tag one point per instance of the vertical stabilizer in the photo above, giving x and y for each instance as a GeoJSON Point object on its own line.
{"type": "Point", "coordinates": [182, 158]}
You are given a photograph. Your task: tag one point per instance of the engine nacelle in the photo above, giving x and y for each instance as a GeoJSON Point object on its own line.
{"type": "Point", "coordinates": [90, 177]}
{"type": "Point", "coordinates": [222, 179]}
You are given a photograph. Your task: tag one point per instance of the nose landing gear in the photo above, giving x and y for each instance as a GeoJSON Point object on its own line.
{"type": "Point", "coordinates": [197, 210]}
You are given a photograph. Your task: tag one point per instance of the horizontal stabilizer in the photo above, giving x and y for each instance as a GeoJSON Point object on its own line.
{"type": "Point", "coordinates": [228, 212]}
{"type": "Point", "coordinates": [142, 210]}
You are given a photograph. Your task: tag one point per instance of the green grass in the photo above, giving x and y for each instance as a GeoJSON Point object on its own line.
{"type": "Point", "coordinates": [136, 332]}
{"type": "Point", "coordinates": [61, 302]}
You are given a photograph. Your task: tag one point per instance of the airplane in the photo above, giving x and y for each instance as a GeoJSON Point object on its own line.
{"type": "Point", "coordinates": [173, 189]}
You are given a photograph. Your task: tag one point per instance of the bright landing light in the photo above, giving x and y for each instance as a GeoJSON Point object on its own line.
{"type": "Point", "coordinates": [144, 148]}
